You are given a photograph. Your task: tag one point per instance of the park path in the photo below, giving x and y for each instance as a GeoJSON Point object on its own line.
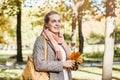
{"type": "Point", "coordinates": [86, 71]}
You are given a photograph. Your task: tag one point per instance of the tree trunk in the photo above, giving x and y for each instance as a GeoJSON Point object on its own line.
{"type": "Point", "coordinates": [81, 38]}
{"type": "Point", "coordinates": [75, 6]}
{"type": "Point", "coordinates": [109, 40]}
{"type": "Point", "coordinates": [73, 44]}
{"type": "Point", "coordinates": [19, 41]}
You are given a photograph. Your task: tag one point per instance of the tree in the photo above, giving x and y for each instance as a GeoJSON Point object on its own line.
{"type": "Point", "coordinates": [19, 41]}
{"type": "Point", "coordinates": [109, 40]}
{"type": "Point", "coordinates": [81, 38]}
{"type": "Point", "coordinates": [81, 9]}
{"type": "Point", "coordinates": [14, 8]}
{"type": "Point", "coordinates": [75, 5]}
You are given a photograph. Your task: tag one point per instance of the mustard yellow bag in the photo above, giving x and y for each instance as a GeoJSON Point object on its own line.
{"type": "Point", "coordinates": [29, 73]}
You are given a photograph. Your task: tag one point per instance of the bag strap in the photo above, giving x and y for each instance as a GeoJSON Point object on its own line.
{"type": "Point", "coordinates": [45, 49]}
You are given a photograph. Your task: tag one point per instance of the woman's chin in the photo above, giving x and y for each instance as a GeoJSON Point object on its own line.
{"type": "Point", "coordinates": [55, 32]}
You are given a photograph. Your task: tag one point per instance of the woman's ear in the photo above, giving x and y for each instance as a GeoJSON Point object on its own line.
{"type": "Point", "coordinates": [46, 25]}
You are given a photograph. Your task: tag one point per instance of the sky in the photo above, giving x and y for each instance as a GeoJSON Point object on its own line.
{"type": "Point", "coordinates": [40, 2]}
{"type": "Point", "coordinates": [97, 3]}
{"type": "Point", "coordinates": [32, 2]}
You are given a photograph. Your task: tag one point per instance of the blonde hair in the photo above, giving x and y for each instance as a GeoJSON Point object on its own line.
{"type": "Point", "coordinates": [46, 18]}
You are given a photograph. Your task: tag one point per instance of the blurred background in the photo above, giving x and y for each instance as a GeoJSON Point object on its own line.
{"type": "Point", "coordinates": [89, 26]}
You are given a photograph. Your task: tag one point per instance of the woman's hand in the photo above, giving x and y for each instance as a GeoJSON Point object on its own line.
{"type": "Point", "coordinates": [69, 64]}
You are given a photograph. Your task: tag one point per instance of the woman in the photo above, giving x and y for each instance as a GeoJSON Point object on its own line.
{"type": "Point", "coordinates": [57, 65]}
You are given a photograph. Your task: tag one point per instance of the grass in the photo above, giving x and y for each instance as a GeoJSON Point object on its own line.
{"type": "Point", "coordinates": [93, 73]}
{"type": "Point", "coordinates": [83, 72]}
{"type": "Point", "coordinates": [5, 55]}
{"type": "Point", "coordinates": [10, 74]}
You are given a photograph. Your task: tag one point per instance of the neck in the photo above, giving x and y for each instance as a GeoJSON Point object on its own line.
{"type": "Point", "coordinates": [55, 33]}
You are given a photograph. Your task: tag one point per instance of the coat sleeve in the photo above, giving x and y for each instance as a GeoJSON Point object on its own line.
{"type": "Point", "coordinates": [39, 58]}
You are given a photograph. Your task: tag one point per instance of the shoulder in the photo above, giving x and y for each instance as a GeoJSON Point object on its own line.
{"type": "Point", "coordinates": [39, 40]}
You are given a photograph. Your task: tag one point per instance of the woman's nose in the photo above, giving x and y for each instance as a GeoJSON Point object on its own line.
{"type": "Point", "coordinates": [58, 23]}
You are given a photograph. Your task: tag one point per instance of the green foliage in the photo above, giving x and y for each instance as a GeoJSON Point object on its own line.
{"type": "Point", "coordinates": [98, 39]}
{"type": "Point", "coordinates": [99, 55]}
{"type": "Point", "coordinates": [10, 7]}
{"type": "Point", "coordinates": [94, 55]}
{"type": "Point", "coordinates": [38, 14]}
{"type": "Point", "coordinates": [67, 37]}
{"type": "Point", "coordinates": [4, 23]}
{"type": "Point", "coordinates": [95, 38]}
{"type": "Point", "coordinates": [10, 74]}
{"type": "Point", "coordinates": [5, 27]}
{"type": "Point", "coordinates": [64, 10]}
{"type": "Point", "coordinates": [117, 35]}
{"type": "Point", "coordinates": [2, 39]}
{"type": "Point", "coordinates": [117, 52]}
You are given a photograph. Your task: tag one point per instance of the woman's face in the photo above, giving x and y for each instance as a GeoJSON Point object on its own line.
{"type": "Point", "coordinates": [54, 23]}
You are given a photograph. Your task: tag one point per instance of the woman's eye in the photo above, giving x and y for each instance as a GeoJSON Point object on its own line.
{"type": "Point", "coordinates": [59, 21]}
{"type": "Point", "coordinates": [53, 20]}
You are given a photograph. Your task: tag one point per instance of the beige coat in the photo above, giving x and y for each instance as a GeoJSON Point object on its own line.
{"type": "Point", "coordinates": [53, 66]}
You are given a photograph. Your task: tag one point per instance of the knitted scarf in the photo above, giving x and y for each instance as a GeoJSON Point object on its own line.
{"type": "Point", "coordinates": [55, 41]}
